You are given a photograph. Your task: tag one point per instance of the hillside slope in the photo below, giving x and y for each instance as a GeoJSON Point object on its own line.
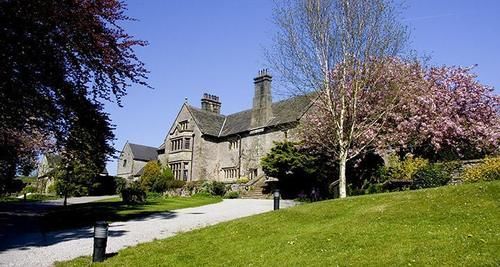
{"type": "Point", "coordinates": [453, 225]}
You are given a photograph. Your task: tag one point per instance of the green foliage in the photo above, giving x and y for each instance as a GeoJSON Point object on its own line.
{"type": "Point", "coordinates": [431, 175]}
{"type": "Point", "coordinates": [175, 184]}
{"type": "Point", "coordinates": [213, 188]}
{"type": "Point", "coordinates": [61, 61]}
{"type": "Point", "coordinates": [29, 189]}
{"type": "Point", "coordinates": [488, 170]}
{"type": "Point", "coordinates": [152, 171]}
{"type": "Point", "coordinates": [51, 189]}
{"type": "Point", "coordinates": [193, 186]}
{"type": "Point", "coordinates": [243, 180]}
{"type": "Point", "coordinates": [402, 169]}
{"type": "Point", "coordinates": [232, 194]}
{"type": "Point", "coordinates": [120, 184]}
{"type": "Point", "coordinates": [133, 194]}
{"type": "Point", "coordinates": [106, 185]}
{"type": "Point", "coordinates": [295, 170]}
{"type": "Point", "coordinates": [73, 177]}
{"type": "Point", "coordinates": [158, 179]}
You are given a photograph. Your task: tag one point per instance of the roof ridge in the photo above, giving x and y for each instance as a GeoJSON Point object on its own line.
{"type": "Point", "coordinates": [222, 127]}
{"type": "Point", "coordinates": [141, 145]}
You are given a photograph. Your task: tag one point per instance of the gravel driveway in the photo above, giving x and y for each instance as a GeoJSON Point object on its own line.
{"type": "Point", "coordinates": [43, 249]}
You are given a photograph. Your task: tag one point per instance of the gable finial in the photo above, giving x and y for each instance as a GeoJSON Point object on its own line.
{"type": "Point", "coordinates": [185, 99]}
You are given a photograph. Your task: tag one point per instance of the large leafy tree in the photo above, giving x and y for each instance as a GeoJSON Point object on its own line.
{"type": "Point", "coordinates": [441, 113]}
{"type": "Point", "coordinates": [296, 170]}
{"type": "Point", "coordinates": [451, 116]}
{"type": "Point", "coordinates": [59, 61]}
{"type": "Point", "coordinates": [337, 49]}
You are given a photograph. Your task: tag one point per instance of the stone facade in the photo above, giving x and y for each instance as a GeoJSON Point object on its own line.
{"type": "Point", "coordinates": [133, 158]}
{"type": "Point", "coordinates": [202, 144]}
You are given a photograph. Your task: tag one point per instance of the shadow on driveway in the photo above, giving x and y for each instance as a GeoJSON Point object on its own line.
{"type": "Point", "coordinates": [24, 225]}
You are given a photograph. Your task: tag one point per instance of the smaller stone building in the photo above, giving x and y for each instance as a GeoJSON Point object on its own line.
{"type": "Point", "coordinates": [133, 158]}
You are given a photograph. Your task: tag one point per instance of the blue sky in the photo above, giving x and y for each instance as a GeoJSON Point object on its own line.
{"type": "Point", "coordinates": [216, 46]}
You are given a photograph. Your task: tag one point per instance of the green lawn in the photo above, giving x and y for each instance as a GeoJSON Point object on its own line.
{"type": "Point", "coordinates": [447, 226]}
{"type": "Point", "coordinates": [29, 198]}
{"type": "Point", "coordinates": [114, 210]}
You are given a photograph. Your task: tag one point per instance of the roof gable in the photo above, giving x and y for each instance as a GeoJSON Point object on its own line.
{"type": "Point", "coordinates": [144, 153]}
{"type": "Point", "coordinates": [208, 122]}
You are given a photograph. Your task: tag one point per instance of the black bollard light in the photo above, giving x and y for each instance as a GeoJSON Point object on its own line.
{"type": "Point", "coordinates": [276, 195]}
{"type": "Point", "coordinates": [100, 240]}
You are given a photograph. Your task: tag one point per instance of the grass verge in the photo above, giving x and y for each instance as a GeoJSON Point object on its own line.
{"type": "Point", "coordinates": [447, 226]}
{"type": "Point", "coordinates": [114, 210]}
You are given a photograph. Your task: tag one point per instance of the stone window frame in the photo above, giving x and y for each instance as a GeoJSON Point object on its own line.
{"type": "Point", "coordinates": [180, 169]}
{"type": "Point", "coordinates": [183, 125]}
{"type": "Point", "coordinates": [230, 172]}
{"type": "Point", "coordinates": [181, 143]}
{"type": "Point", "coordinates": [186, 143]}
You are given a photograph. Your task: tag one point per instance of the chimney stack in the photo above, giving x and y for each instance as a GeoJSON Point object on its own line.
{"type": "Point", "coordinates": [210, 103]}
{"type": "Point", "coordinates": [262, 111]}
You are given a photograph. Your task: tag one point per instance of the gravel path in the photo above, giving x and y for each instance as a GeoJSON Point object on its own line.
{"type": "Point", "coordinates": [77, 200]}
{"type": "Point", "coordinates": [44, 249]}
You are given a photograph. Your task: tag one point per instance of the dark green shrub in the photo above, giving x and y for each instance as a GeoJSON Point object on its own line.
{"type": "Point", "coordinates": [133, 194]}
{"type": "Point", "coordinates": [432, 175]}
{"type": "Point", "coordinates": [157, 178]}
{"type": "Point", "coordinates": [218, 188]}
{"type": "Point", "coordinates": [120, 184]}
{"type": "Point", "coordinates": [174, 184]}
{"type": "Point", "coordinates": [106, 185]}
{"type": "Point", "coordinates": [193, 186]}
{"type": "Point", "coordinates": [213, 188]}
{"type": "Point", "coordinates": [159, 184]}
{"type": "Point", "coordinates": [232, 194]}
{"type": "Point", "coordinates": [374, 189]}
{"type": "Point", "coordinates": [297, 171]}
{"type": "Point", "coordinates": [28, 189]}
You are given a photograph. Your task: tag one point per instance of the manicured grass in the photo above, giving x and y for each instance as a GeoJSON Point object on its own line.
{"type": "Point", "coordinates": [447, 226]}
{"type": "Point", "coordinates": [114, 210]}
{"type": "Point", "coordinates": [29, 198]}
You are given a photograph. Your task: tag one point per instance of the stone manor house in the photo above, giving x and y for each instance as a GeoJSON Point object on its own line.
{"type": "Point", "coordinates": [204, 144]}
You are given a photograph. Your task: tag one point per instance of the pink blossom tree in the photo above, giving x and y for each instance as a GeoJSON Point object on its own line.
{"type": "Point", "coordinates": [415, 109]}
{"type": "Point", "coordinates": [452, 112]}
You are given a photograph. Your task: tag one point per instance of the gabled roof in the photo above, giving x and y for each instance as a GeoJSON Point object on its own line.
{"type": "Point", "coordinates": [144, 153]}
{"type": "Point", "coordinates": [285, 111]}
{"type": "Point", "coordinates": [209, 123]}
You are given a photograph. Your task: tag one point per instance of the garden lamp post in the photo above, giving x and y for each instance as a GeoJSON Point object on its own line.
{"type": "Point", "coordinates": [276, 195]}
{"type": "Point", "coordinates": [100, 240]}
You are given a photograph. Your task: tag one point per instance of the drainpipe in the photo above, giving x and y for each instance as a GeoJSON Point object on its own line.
{"type": "Point", "coordinates": [192, 153]}
{"type": "Point", "coordinates": [239, 156]}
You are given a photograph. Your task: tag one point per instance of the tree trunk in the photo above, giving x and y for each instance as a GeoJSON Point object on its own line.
{"type": "Point", "coordinates": [65, 199]}
{"type": "Point", "coordinates": [342, 178]}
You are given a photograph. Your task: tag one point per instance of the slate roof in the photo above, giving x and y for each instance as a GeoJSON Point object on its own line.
{"type": "Point", "coordinates": [209, 123]}
{"type": "Point", "coordinates": [285, 111]}
{"type": "Point", "coordinates": [144, 153]}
